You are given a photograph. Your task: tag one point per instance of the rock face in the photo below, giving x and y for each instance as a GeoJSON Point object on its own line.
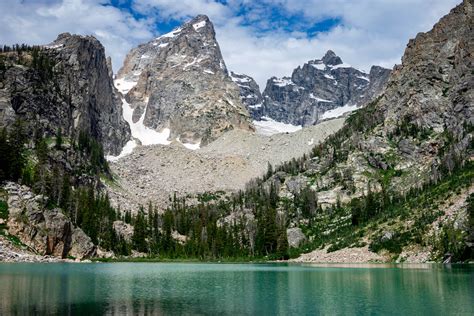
{"type": "Point", "coordinates": [433, 88]}
{"type": "Point", "coordinates": [179, 82]}
{"type": "Point", "coordinates": [320, 86]}
{"type": "Point", "coordinates": [249, 94]}
{"type": "Point", "coordinates": [46, 231]}
{"type": "Point", "coordinates": [72, 89]}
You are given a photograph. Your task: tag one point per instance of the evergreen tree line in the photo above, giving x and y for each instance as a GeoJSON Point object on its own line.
{"type": "Point", "coordinates": [206, 235]}
{"type": "Point", "coordinates": [31, 56]}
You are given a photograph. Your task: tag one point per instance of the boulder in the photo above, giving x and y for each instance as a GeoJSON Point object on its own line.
{"type": "Point", "coordinates": [295, 237]}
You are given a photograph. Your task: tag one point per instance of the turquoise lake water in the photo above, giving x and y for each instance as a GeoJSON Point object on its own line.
{"type": "Point", "coordinates": [235, 289]}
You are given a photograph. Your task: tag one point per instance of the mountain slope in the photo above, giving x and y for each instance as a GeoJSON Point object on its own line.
{"type": "Point", "coordinates": [396, 161]}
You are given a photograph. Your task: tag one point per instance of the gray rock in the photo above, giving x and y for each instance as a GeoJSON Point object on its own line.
{"type": "Point", "coordinates": [249, 94]}
{"type": "Point", "coordinates": [81, 245]}
{"type": "Point", "coordinates": [317, 87]}
{"type": "Point", "coordinates": [123, 230]}
{"type": "Point", "coordinates": [295, 237]}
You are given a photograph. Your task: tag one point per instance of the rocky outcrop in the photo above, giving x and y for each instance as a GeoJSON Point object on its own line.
{"type": "Point", "coordinates": [320, 86]}
{"type": "Point", "coordinates": [47, 231]}
{"type": "Point", "coordinates": [249, 94]}
{"type": "Point", "coordinates": [66, 84]}
{"type": "Point", "coordinates": [179, 83]}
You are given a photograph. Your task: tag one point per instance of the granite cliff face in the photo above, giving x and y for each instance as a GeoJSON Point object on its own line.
{"type": "Point", "coordinates": [178, 84]}
{"type": "Point", "coordinates": [318, 87]}
{"type": "Point", "coordinates": [67, 85]}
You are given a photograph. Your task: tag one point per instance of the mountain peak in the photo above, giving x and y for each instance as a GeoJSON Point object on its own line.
{"type": "Point", "coordinates": [200, 18]}
{"type": "Point", "coordinates": [330, 58]}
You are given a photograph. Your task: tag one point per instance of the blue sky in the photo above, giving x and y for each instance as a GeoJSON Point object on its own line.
{"type": "Point", "coordinates": [261, 38]}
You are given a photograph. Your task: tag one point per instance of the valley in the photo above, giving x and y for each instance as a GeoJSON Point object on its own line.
{"type": "Point", "coordinates": [177, 157]}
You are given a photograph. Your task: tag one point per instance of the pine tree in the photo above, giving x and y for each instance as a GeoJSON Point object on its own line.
{"type": "Point", "coordinates": [59, 138]}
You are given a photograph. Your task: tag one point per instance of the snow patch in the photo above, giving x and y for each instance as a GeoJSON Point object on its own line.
{"type": "Point", "coordinates": [190, 145]}
{"type": "Point", "coordinates": [209, 71]}
{"type": "Point", "coordinates": [171, 34]}
{"type": "Point", "coordinates": [126, 150]}
{"type": "Point", "coordinates": [339, 111]}
{"type": "Point", "coordinates": [329, 77]}
{"type": "Point", "coordinates": [319, 99]}
{"type": "Point", "coordinates": [161, 45]}
{"type": "Point", "coordinates": [222, 65]}
{"type": "Point", "coordinates": [282, 82]}
{"type": "Point", "coordinates": [319, 66]}
{"type": "Point", "coordinates": [363, 78]}
{"type": "Point", "coordinates": [240, 80]}
{"type": "Point", "coordinates": [145, 135]}
{"type": "Point", "coordinates": [270, 127]}
{"type": "Point", "coordinates": [256, 106]}
{"type": "Point", "coordinates": [199, 25]}
{"type": "Point", "coordinates": [124, 85]}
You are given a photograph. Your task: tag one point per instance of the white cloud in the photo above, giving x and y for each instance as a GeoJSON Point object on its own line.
{"type": "Point", "coordinates": [371, 32]}
{"type": "Point", "coordinates": [39, 22]}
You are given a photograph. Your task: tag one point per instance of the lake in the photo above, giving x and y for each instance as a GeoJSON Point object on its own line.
{"type": "Point", "coordinates": [235, 289]}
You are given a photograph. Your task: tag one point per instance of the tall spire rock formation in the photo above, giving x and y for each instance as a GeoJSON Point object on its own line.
{"type": "Point", "coordinates": [320, 89]}
{"type": "Point", "coordinates": [178, 85]}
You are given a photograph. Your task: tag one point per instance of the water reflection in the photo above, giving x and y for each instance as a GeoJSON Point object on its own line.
{"type": "Point", "coordinates": [236, 289]}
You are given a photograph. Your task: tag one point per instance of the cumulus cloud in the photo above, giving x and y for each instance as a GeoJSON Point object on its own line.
{"type": "Point", "coordinates": [40, 21]}
{"type": "Point", "coordinates": [260, 38]}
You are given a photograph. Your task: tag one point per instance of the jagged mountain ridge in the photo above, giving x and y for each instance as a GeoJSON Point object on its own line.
{"type": "Point", "coordinates": [78, 96]}
{"type": "Point", "coordinates": [179, 82]}
{"type": "Point", "coordinates": [319, 86]}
